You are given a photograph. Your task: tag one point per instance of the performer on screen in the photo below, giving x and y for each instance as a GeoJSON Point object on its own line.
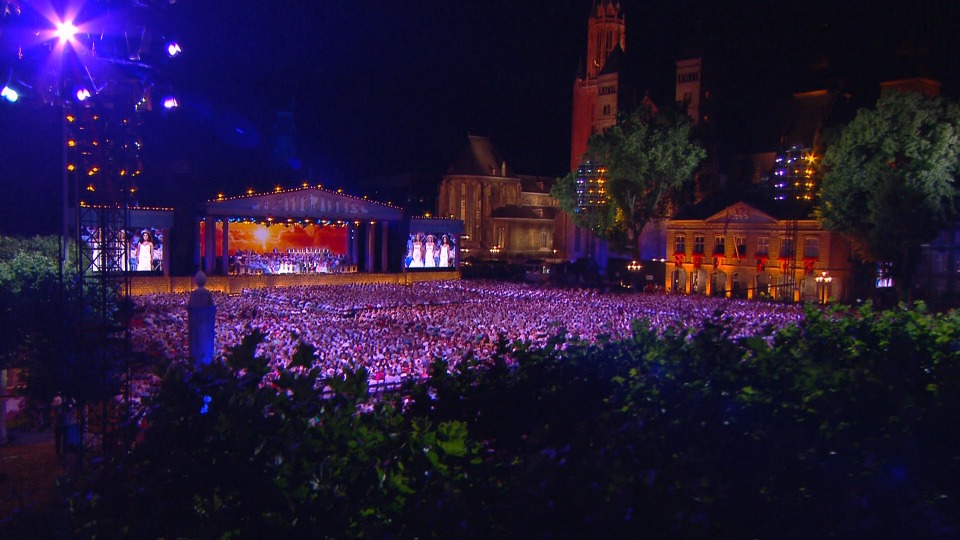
{"type": "Point", "coordinates": [445, 247]}
{"type": "Point", "coordinates": [145, 253]}
{"type": "Point", "coordinates": [417, 261]}
{"type": "Point", "coordinates": [430, 252]}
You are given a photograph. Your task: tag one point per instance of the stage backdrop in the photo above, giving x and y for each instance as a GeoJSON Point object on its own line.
{"type": "Point", "coordinates": [262, 238]}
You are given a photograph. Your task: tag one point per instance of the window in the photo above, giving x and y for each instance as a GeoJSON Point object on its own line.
{"type": "Point", "coordinates": [719, 245]}
{"type": "Point", "coordinates": [741, 246]}
{"type": "Point", "coordinates": [787, 248]}
{"type": "Point", "coordinates": [763, 246]}
{"type": "Point", "coordinates": [811, 248]}
{"type": "Point", "coordinates": [606, 109]}
{"type": "Point", "coordinates": [544, 239]}
{"type": "Point", "coordinates": [698, 242]}
{"type": "Point", "coordinates": [680, 244]}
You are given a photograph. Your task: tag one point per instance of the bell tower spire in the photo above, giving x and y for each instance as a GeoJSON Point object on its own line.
{"type": "Point", "coordinates": [596, 89]}
{"type": "Point", "coordinates": [605, 30]}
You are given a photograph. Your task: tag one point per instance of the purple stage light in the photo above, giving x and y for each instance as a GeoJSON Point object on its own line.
{"type": "Point", "coordinates": [173, 49]}
{"type": "Point", "coordinates": [83, 94]}
{"type": "Point", "coordinates": [170, 102]}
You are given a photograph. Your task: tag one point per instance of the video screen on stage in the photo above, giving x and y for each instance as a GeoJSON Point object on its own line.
{"type": "Point", "coordinates": [431, 251]}
{"type": "Point", "coordinates": [259, 248]}
{"type": "Point", "coordinates": [138, 249]}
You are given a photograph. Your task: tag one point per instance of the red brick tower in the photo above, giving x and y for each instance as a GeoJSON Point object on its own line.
{"type": "Point", "coordinates": [596, 88]}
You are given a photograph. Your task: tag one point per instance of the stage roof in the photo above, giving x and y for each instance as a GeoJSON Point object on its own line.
{"type": "Point", "coordinates": [314, 203]}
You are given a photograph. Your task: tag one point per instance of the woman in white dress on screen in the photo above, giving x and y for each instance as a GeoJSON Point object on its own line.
{"type": "Point", "coordinates": [445, 251]}
{"type": "Point", "coordinates": [430, 252]}
{"type": "Point", "coordinates": [145, 253]}
{"type": "Point", "coordinates": [417, 259]}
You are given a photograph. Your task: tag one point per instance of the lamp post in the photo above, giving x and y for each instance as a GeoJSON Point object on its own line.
{"type": "Point", "coordinates": [823, 283]}
{"type": "Point", "coordinates": [634, 268]}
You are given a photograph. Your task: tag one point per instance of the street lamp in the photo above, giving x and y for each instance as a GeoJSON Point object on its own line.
{"type": "Point", "coordinates": [633, 268]}
{"type": "Point", "coordinates": [823, 283]}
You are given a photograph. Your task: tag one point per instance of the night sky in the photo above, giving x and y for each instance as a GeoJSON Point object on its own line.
{"type": "Point", "coordinates": [381, 88]}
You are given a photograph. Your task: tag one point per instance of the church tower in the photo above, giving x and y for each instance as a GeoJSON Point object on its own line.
{"type": "Point", "coordinates": [595, 91]}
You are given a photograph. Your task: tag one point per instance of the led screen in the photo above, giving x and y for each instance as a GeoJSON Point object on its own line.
{"type": "Point", "coordinates": [259, 248]}
{"type": "Point", "coordinates": [138, 249]}
{"type": "Point", "coordinates": [431, 250]}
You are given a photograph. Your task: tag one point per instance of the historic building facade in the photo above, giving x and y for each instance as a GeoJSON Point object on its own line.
{"type": "Point", "coordinates": [504, 214]}
{"type": "Point", "coordinates": [743, 252]}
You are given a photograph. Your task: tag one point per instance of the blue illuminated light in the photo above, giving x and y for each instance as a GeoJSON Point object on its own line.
{"type": "Point", "coordinates": [9, 94]}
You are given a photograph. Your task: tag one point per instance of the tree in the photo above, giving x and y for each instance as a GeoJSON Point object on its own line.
{"type": "Point", "coordinates": [29, 306]}
{"type": "Point", "coordinates": [890, 178]}
{"type": "Point", "coordinates": [648, 160]}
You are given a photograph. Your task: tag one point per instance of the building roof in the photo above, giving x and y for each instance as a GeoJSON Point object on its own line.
{"type": "Point", "coordinates": [760, 199]}
{"type": "Point", "coordinates": [536, 184]}
{"type": "Point", "coordinates": [479, 158]}
{"type": "Point", "coordinates": [613, 62]}
{"type": "Point", "coordinates": [524, 212]}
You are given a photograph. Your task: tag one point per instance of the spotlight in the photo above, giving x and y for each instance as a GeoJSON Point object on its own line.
{"type": "Point", "coordinates": [83, 94]}
{"type": "Point", "coordinates": [9, 94]}
{"type": "Point", "coordinates": [65, 31]}
{"type": "Point", "coordinates": [170, 102]}
{"type": "Point", "coordinates": [173, 49]}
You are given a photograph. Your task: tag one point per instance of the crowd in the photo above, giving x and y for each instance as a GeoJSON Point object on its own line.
{"type": "Point", "coordinates": [396, 331]}
{"type": "Point", "coordinates": [292, 261]}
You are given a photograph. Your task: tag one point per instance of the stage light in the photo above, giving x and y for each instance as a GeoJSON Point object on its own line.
{"type": "Point", "coordinates": [173, 49]}
{"type": "Point", "coordinates": [65, 31]}
{"type": "Point", "coordinates": [83, 94]}
{"type": "Point", "coordinates": [170, 102]}
{"type": "Point", "coordinates": [9, 94]}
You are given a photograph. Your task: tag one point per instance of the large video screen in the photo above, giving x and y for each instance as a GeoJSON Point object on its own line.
{"type": "Point", "coordinates": [260, 238]}
{"type": "Point", "coordinates": [431, 251]}
{"type": "Point", "coordinates": [138, 249]}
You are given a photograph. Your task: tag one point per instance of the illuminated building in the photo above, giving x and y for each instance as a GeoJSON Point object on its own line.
{"type": "Point", "coordinates": [504, 214]}
{"type": "Point", "coordinates": [761, 250]}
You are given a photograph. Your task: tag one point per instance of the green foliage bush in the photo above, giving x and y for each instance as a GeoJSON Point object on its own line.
{"type": "Point", "coordinates": [843, 426]}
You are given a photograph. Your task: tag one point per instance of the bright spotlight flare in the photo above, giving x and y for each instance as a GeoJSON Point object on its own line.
{"type": "Point", "coordinates": [9, 94]}
{"type": "Point", "coordinates": [65, 31]}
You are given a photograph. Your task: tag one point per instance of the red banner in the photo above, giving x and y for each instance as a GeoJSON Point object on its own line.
{"type": "Point", "coordinates": [808, 264]}
{"type": "Point", "coordinates": [678, 259]}
{"type": "Point", "coordinates": [761, 264]}
{"type": "Point", "coordinates": [697, 261]}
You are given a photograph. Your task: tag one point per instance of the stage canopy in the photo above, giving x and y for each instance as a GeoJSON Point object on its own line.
{"type": "Point", "coordinates": [305, 203]}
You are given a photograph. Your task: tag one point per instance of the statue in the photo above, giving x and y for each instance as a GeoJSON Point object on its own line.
{"type": "Point", "coordinates": [201, 322]}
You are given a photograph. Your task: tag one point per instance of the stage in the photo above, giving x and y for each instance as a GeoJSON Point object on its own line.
{"type": "Point", "coordinates": [140, 285]}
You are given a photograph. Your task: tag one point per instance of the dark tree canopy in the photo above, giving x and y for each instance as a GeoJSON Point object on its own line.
{"type": "Point", "coordinates": [890, 181]}
{"type": "Point", "coordinates": [648, 160]}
